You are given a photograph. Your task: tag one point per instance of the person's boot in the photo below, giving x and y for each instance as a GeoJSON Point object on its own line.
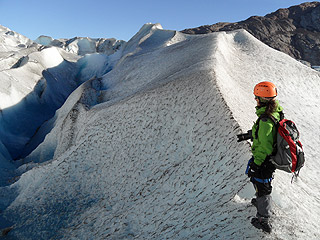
{"type": "Point", "coordinates": [261, 223]}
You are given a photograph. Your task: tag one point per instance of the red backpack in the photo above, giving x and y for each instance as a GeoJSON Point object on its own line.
{"type": "Point", "coordinates": [288, 155]}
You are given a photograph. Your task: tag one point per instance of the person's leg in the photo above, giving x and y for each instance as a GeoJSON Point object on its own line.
{"type": "Point", "coordinates": [263, 205]}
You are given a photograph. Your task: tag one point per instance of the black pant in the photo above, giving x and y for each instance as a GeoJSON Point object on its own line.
{"type": "Point", "coordinates": [262, 189]}
{"type": "Point", "coordinates": [262, 178]}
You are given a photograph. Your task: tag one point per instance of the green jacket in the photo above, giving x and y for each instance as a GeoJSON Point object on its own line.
{"type": "Point", "coordinates": [264, 144]}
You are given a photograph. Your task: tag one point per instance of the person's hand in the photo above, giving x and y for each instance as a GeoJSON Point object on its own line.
{"type": "Point", "coordinates": [253, 169]}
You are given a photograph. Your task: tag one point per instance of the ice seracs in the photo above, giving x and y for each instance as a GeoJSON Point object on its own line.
{"type": "Point", "coordinates": [12, 41]}
{"type": "Point", "coordinates": [84, 45]}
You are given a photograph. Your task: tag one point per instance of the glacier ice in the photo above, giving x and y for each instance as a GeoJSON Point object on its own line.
{"type": "Point", "coordinates": [84, 45]}
{"type": "Point", "coordinates": [145, 147]}
{"type": "Point", "coordinates": [37, 79]}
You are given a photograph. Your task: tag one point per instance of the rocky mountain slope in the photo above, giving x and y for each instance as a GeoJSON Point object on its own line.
{"type": "Point", "coordinates": [294, 31]}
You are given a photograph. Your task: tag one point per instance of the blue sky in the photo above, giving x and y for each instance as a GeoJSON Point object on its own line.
{"type": "Point", "coordinates": [123, 18]}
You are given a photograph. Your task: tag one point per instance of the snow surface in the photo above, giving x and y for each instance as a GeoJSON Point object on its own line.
{"type": "Point", "coordinates": [148, 150]}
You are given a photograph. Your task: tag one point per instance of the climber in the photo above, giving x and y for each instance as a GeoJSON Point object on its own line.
{"type": "Point", "coordinates": [260, 169]}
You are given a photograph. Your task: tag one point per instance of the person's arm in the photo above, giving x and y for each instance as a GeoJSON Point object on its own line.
{"type": "Point", "coordinates": [265, 140]}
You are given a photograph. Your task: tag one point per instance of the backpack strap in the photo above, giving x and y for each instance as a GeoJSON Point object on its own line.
{"type": "Point", "coordinates": [281, 115]}
{"type": "Point", "coordinates": [266, 116]}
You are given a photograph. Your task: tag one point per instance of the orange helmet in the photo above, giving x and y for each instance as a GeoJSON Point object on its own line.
{"type": "Point", "coordinates": [265, 90]}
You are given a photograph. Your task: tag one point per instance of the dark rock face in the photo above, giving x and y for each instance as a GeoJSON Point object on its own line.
{"type": "Point", "coordinates": [294, 31]}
